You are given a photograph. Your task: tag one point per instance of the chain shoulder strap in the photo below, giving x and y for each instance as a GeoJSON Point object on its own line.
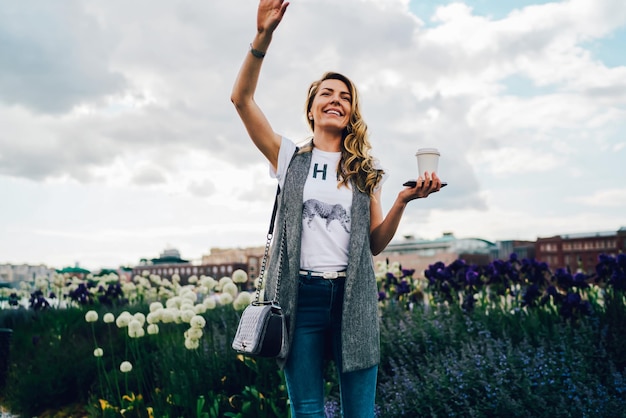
{"type": "Point", "coordinates": [268, 242]}
{"type": "Point", "coordinates": [266, 254]}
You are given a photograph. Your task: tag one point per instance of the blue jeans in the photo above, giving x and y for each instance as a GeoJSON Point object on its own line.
{"type": "Point", "coordinates": [318, 327]}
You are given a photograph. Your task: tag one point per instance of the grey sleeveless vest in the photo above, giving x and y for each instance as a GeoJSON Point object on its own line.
{"type": "Point", "coordinates": [360, 327]}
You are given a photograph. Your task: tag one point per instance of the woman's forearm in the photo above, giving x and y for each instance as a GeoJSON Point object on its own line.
{"type": "Point", "coordinates": [248, 77]}
{"type": "Point", "coordinates": [382, 234]}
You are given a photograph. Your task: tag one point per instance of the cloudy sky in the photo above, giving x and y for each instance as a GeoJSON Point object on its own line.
{"type": "Point", "coordinates": [118, 138]}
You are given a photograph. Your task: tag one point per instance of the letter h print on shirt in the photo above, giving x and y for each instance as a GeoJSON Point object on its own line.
{"type": "Point", "coordinates": [316, 170]}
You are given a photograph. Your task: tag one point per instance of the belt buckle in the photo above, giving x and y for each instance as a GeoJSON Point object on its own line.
{"type": "Point", "coordinates": [330, 275]}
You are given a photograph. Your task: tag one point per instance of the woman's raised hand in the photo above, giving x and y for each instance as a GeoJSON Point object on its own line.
{"type": "Point", "coordinates": [270, 14]}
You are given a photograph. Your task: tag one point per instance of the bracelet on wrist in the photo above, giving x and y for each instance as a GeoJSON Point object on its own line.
{"type": "Point", "coordinates": [256, 53]}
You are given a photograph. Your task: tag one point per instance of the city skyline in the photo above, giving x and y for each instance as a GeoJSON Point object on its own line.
{"type": "Point", "coordinates": [119, 139]}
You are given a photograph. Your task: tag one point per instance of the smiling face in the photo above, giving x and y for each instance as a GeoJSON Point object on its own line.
{"type": "Point", "coordinates": [329, 105]}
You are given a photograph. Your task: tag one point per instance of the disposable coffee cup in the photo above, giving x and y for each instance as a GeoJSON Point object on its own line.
{"type": "Point", "coordinates": [427, 160]}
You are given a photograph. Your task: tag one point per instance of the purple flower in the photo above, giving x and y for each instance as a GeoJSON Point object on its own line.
{"type": "Point", "coordinates": [408, 272]}
{"type": "Point", "coordinates": [403, 288]}
{"type": "Point", "coordinates": [471, 277]}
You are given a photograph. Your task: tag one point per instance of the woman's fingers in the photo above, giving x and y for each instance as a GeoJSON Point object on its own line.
{"type": "Point", "coordinates": [270, 13]}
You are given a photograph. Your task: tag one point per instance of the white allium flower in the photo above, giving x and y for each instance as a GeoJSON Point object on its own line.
{"type": "Point", "coordinates": [58, 280]}
{"type": "Point", "coordinates": [209, 303]}
{"type": "Point", "coordinates": [152, 293]}
{"type": "Point", "coordinates": [197, 322]}
{"type": "Point", "coordinates": [108, 318]}
{"type": "Point", "coordinates": [154, 317]}
{"type": "Point", "coordinates": [223, 281]}
{"type": "Point", "coordinates": [41, 283]}
{"type": "Point", "coordinates": [185, 306]}
{"type": "Point", "coordinates": [193, 333]}
{"type": "Point", "coordinates": [123, 319]}
{"type": "Point", "coordinates": [193, 279]}
{"type": "Point", "coordinates": [91, 316]}
{"type": "Point", "coordinates": [190, 296]}
{"type": "Point", "coordinates": [187, 314]}
{"type": "Point", "coordinates": [155, 278]}
{"type": "Point", "coordinates": [155, 306]}
{"type": "Point", "coordinates": [145, 273]}
{"type": "Point", "coordinates": [225, 299]}
{"type": "Point", "coordinates": [139, 316]}
{"type": "Point", "coordinates": [153, 329]}
{"type": "Point", "coordinates": [136, 332]}
{"type": "Point", "coordinates": [167, 315]}
{"type": "Point", "coordinates": [199, 308]}
{"type": "Point", "coordinates": [192, 344]}
{"type": "Point", "coordinates": [208, 282]}
{"type": "Point", "coordinates": [231, 288]}
{"type": "Point", "coordinates": [174, 302]}
{"type": "Point", "coordinates": [126, 367]}
{"type": "Point", "coordinates": [239, 276]}
{"type": "Point", "coordinates": [129, 287]}
{"type": "Point", "coordinates": [242, 301]}
{"type": "Point", "coordinates": [98, 352]}
{"type": "Point", "coordinates": [164, 293]}
{"type": "Point", "coordinates": [134, 325]}
{"type": "Point", "coordinates": [175, 278]}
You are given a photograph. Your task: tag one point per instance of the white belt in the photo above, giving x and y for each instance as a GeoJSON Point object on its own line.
{"type": "Point", "coordinates": [324, 275]}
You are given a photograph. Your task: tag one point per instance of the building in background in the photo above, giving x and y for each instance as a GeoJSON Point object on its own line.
{"type": "Point", "coordinates": [579, 252]}
{"type": "Point", "coordinates": [217, 264]}
{"type": "Point", "coordinates": [248, 259]}
{"type": "Point", "coordinates": [418, 254]}
{"type": "Point", "coordinates": [523, 249]}
{"type": "Point", "coordinates": [12, 275]}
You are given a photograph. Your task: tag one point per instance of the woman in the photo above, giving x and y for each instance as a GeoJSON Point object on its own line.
{"type": "Point", "coordinates": [331, 216]}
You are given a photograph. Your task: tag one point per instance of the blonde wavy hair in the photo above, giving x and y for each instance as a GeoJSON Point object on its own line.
{"type": "Point", "coordinates": [355, 163]}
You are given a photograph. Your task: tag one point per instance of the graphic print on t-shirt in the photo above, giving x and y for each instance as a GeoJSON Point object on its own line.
{"type": "Point", "coordinates": [326, 211]}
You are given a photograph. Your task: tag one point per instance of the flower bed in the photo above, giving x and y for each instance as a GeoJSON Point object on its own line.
{"type": "Point", "coordinates": [508, 339]}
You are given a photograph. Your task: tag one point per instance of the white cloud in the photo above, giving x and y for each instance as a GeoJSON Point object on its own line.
{"type": "Point", "coordinates": [514, 161]}
{"type": "Point", "coordinates": [610, 198]}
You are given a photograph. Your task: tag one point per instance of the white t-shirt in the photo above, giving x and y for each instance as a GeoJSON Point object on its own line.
{"type": "Point", "coordinates": [325, 210]}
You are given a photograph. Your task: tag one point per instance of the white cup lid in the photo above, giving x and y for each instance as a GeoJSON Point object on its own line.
{"type": "Point", "coordinates": [427, 151]}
